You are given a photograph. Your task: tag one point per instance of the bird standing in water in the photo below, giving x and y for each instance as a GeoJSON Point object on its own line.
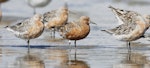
{"type": "Point", "coordinates": [132, 26]}
{"type": "Point", "coordinates": [56, 18]}
{"type": "Point", "coordinates": [76, 30]}
{"type": "Point", "coordinates": [28, 29]}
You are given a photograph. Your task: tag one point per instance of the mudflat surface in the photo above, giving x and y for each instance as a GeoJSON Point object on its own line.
{"type": "Point", "coordinates": [98, 50]}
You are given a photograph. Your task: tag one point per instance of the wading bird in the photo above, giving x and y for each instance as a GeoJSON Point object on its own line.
{"type": "Point", "coordinates": [132, 26]}
{"type": "Point", "coordinates": [28, 29]}
{"type": "Point", "coordinates": [76, 30]}
{"type": "Point", "coordinates": [56, 18]}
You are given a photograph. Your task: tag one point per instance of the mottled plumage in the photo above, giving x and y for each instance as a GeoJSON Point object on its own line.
{"type": "Point", "coordinates": [28, 29]}
{"type": "Point", "coordinates": [48, 16]}
{"type": "Point", "coordinates": [123, 16]}
{"type": "Point", "coordinates": [132, 25]}
{"type": "Point", "coordinates": [56, 18]}
{"type": "Point", "coordinates": [124, 32]}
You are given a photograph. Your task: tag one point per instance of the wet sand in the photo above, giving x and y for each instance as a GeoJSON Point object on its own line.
{"type": "Point", "coordinates": [98, 50]}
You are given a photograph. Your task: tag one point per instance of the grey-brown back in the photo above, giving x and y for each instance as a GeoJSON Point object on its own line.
{"type": "Point", "coordinates": [49, 15]}
{"type": "Point", "coordinates": [123, 29]}
{"type": "Point", "coordinates": [22, 26]}
{"type": "Point", "coordinates": [124, 15]}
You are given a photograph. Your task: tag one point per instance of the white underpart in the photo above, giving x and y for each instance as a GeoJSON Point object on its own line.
{"type": "Point", "coordinates": [120, 22]}
{"type": "Point", "coordinates": [38, 3]}
{"type": "Point", "coordinates": [121, 37]}
{"type": "Point", "coordinates": [16, 32]}
{"type": "Point", "coordinates": [138, 28]}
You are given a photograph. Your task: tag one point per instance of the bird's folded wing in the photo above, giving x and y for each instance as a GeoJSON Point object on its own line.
{"type": "Point", "coordinates": [49, 15]}
{"type": "Point", "coordinates": [22, 26]}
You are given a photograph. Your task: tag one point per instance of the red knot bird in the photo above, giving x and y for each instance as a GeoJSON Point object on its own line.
{"type": "Point", "coordinates": [37, 3]}
{"type": "Point", "coordinates": [132, 26]}
{"type": "Point", "coordinates": [56, 18]}
{"type": "Point", "coordinates": [75, 30]}
{"type": "Point", "coordinates": [28, 29]}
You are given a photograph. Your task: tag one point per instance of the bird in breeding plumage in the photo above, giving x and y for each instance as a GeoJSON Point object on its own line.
{"type": "Point", "coordinates": [56, 18]}
{"type": "Point", "coordinates": [76, 30]}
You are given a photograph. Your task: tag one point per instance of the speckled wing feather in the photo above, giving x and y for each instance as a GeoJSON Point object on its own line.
{"type": "Point", "coordinates": [123, 29]}
{"type": "Point", "coordinates": [49, 15]}
{"type": "Point", "coordinates": [127, 17]}
{"type": "Point", "coordinates": [123, 16]}
{"type": "Point", "coordinates": [22, 26]}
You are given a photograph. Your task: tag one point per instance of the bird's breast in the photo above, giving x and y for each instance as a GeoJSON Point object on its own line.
{"type": "Point", "coordinates": [78, 33]}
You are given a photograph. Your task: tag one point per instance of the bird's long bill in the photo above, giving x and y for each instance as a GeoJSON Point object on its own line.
{"type": "Point", "coordinates": [112, 7]}
{"type": "Point", "coordinates": [93, 22]}
{"type": "Point", "coordinates": [119, 13]}
{"type": "Point", "coordinates": [115, 11]}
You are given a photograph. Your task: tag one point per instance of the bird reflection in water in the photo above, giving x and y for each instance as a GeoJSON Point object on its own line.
{"type": "Point", "coordinates": [77, 63]}
{"type": "Point", "coordinates": [60, 59]}
{"type": "Point", "coordinates": [133, 60]}
{"type": "Point", "coordinates": [29, 61]}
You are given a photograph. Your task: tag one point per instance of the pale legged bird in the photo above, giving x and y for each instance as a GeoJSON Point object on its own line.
{"type": "Point", "coordinates": [28, 29]}
{"type": "Point", "coordinates": [123, 16]}
{"type": "Point", "coordinates": [76, 30]}
{"type": "Point", "coordinates": [37, 4]}
{"type": "Point", "coordinates": [132, 26]}
{"type": "Point", "coordinates": [56, 18]}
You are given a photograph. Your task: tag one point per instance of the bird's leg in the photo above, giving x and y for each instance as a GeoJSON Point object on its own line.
{"type": "Point", "coordinates": [128, 46]}
{"type": "Point", "coordinates": [51, 33]}
{"type": "Point", "coordinates": [129, 55]}
{"type": "Point", "coordinates": [75, 55]}
{"type": "Point", "coordinates": [54, 33]}
{"type": "Point", "coordinates": [34, 11]}
{"type": "Point", "coordinates": [75, 49]}
{"type": "Point", "coordinates": [69, 53]}
{"type": "Point", "coordinates": [28, 41]}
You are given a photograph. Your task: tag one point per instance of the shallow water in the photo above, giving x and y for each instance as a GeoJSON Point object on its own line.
{"type": "Point", "coordinates": [98, 50]}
